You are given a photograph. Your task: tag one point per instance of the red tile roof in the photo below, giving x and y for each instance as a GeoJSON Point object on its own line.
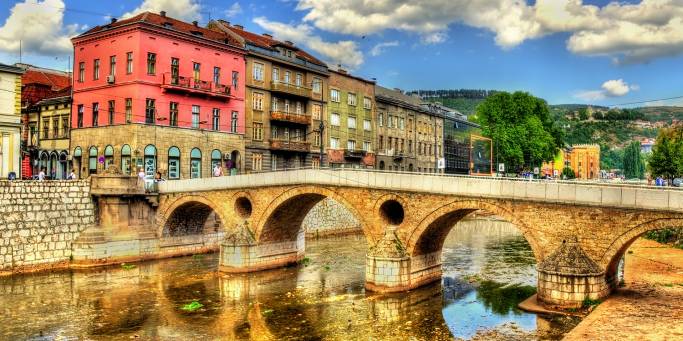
{"type": "Point", "coordinates": [168, 23]}
{"type": "Point", "coordinates": [270, 43]}
{"type": "Point", "coordinates": [56, 80]}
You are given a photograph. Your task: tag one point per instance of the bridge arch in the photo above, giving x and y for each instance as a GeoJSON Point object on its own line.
{"type": "Point", "coordinates": [187, 215]}
{"type": "Point", "coordinates": [282, 219]}
{"type": "Point", "coordinates": [429, 236]}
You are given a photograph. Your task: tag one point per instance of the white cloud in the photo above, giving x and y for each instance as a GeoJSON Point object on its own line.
{"type": "Point", "coordinates": [234, 10]}
{"type": "Point", "coordinates": [187, 10]}
{"type": "Point", "coordinates": [39, 25]}
{"type": "Point", "coordinates": [610, 88]}
{"type": "Point", "coordinates": [343, 52]}
{"type": "Point", "coordinates": [379, 48]}
{"type": "Point", "coordinates": [630, 33]}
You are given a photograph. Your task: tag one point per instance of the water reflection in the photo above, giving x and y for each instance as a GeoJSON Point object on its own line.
{"type": "Point", "coordinates": [323, 300]}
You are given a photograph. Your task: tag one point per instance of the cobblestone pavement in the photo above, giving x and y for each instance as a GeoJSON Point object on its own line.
{"type": "Point", "coordinates": [650, 307]}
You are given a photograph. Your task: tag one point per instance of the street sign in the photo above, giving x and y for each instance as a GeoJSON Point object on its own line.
{"type": "Point", "coordinates": [441, 164]}
{"type": "Point", "coordinates": [536, 170]}
{"type": "Point", "coordinates": [501, 167]}
{"type": "Point", "coordinates": [100, 159]}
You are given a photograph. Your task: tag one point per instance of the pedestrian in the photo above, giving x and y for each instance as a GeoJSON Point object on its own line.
{"type": "Point", "coordinates": [217, 170]}
{"type": "Point", "coordinates": [41, 175]}
{"type": "Point", "coordinates": [141, 178]}
{"type": "Point", "coordinates": [229, 166]}
{"type": "Point", "coordinates": [72, 175]}
{"type": "Point", "coordinates": [158, 178]}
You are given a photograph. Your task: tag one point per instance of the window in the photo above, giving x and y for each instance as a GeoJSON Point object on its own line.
{"type": "Point", "coordinates": [276, 74]}
{"type": "Point", "coordinates": [257, 101]}
{"type": "Point", "coordinates": [150, 160]}
{"type": "Point", "coordinates": [216, 121]}
{"type": "Point", "coordinates": [216, 75]}
{"type": "Point", "coordinates": [96, 70]}
{"type": "Point", "coordinates": [334, 95]}
{"type": "Point", "coordinates": [367, 125]}
{"type": "Point", "coordinates": [288, 75]}
{"type": "Point", "coordinates": [173, 114]}
{"type": "Point", "coordinates": [273, 104]}
{"type": "Point", "coordinates": [335, 119]}
{"type": "Point", "coordinates": [367, 103]}
{"type": "Point", "coordinates": [55, 127]}
{"type": "Point", "coordinates": [334, 142]}
{"type": "Point", "coordinates": [110, 112]}
{"type": "Point", "coordinates": [317, 85]}
{"type": "Point", "coordinates": [95, 114]}
{"type": "Point", "coordinates": [258, 72]}
{"type": "Point", "coordinates": [401, 123]}
{"type": "Point", "coordinates": [46, 128]}
{"type": "Point", "coordinates": [81, 72]}
{"type": "Point", "coordinates": [256, 161]}
{"type": "Point", "coordinates": [351, 122]}
{"type": "Point", "coordinates": [390, 121]}
{"type": "Point", "coordinates": [174, 163]}
{"type": "Point", "coordinates": [215, 159]}
{"type": "Point", "coordinates": [112, 65]}
{"type": "Point", "coordinates": [79, 119]}
{"type": "Point", "coordinates": [351, 99]}
{"type": "Point", "coordinates": [257, 131]}
{"type": "Point", "coordinates": [108, 156]}
{"type": "Point", "coordinates": [129, 110]}
{"type": "Point", "coordinates": [125, 159]}
{"type": "Point", "coordinates": [196, 68]}
{"type": "Point", "coordinates": [316, 139]}
{"type": "Point", "coordinates": [175, 71]}
{"type": "Point", "coordinates": [286, 105]}
{"type": "Point", "coordinates": [65, 126]}
{"type": "Point", "coordinates": [233, 122]}
{"type": "Point", "coordinates": [317, 111]}
{"type": "Point", "coordinates": [235, 79]}
{"type": "Point", "coordinates": [299, 109]}
{"type": "Point", "coordinates": [129, 63]}
{"type": "Point", "coordinates": [92, 160]}
{"type": "Point", "coordinates": [195, 163]}
{"type": "Point", "coordinates": [351, 145]}
{"type": "Point", "coordinates": [380, 120]}
{"type": "Point", "coordinates": [366, 146]}
{"type": "Point", "coordinates": [381, 142]}
{"type": "Point", "coordinates": [150, 111]}
{"type": "Point", "coordinates": [151, 63]}
{"type": "Point", "coordinates": [299, 79]}
{"type": "Point", "coordinates": [195, 116]}
{"type": "Point", "coordinates": [315, 162]}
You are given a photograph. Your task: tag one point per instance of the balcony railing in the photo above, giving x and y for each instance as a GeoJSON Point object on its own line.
{"type": "Point", "coordinates": [354, 153]}
{"type": "Point", "coordinates": [193, 86]}
{"type": "Point", "coordinates": [292, 89]}
{"type": "Point", "coordinates": [291, 117]}
{"type": "Point", "coordinates": [294, 146]}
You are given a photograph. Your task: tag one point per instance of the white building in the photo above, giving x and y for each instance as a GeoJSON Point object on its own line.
{"type": "Point", "coordinates": [10, 120]}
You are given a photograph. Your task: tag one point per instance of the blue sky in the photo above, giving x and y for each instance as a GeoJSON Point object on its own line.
{"type": "Point", "coordinates": [579, 52]}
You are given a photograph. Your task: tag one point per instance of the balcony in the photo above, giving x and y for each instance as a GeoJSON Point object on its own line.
{"type": "Point", "coordinates": [292, 146]}
{"type": "Point", "coordinates": [354, 153]}
{"type": "Point", "coordinates": [290, 89]}
{"type": "Point", "coordinates": [290, 117]}
{"type": "Point", "coordinates": [191, 86]}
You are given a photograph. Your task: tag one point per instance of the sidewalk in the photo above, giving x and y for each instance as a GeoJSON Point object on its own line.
{"type": "Point", "coordinates": [650, 307]}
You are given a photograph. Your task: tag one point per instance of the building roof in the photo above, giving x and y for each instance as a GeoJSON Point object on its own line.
{"type": "Point", "coordinates": [163, 21]}
{"type": "Point", "coordinates": [345, 73]}
{"type": "Point", "coordinates": [570, 259]}
{"type": "Point", "coordinates": [55, 79]}
{"type": "Point", "coordinates": [61, 96]}
{"type": "Point", "coordinates": [11, 69]}
{"type": "Point", "coordinates": [397, 95]}
{"type": "Point", "coordinates": [267, 41]}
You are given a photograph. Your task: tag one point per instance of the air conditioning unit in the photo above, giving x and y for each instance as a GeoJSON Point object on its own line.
{"type": "Point", "coordinates": [110, 79]}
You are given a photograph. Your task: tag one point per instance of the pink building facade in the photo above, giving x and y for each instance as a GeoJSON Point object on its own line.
{"type": "Point", "coordinates": [151, 73]}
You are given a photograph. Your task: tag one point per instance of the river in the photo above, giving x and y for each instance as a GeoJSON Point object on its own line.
{"type": "Point", "coordinates": [488, 269]}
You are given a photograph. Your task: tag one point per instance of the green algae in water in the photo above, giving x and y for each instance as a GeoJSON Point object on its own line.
{"type": "Point", "coordinates": [192, 306]}
{"type": "Point", "coordinates": [502, 298]}
{"type": "Point", "coordinates": [305, 261]}
{"type": "Point", "coordinates": [267, 312]}
{"type": "Point", "coordinates": [127, 266]}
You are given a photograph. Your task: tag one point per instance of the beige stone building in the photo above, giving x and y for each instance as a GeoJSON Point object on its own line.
{"type": "Point", "coordinates": [52, 135]}
{"type": "Point", "coordinates": [351, 128]}
{"type": "Point", "coordinates": [285, 101]}
{"type": "Point", "coordinates": [409, 136]}
{"type": "Point", "coordinates": [10, 120]}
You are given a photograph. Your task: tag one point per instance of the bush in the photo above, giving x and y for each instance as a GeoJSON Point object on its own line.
{"type": "Point", "coordinates": [568, 173]}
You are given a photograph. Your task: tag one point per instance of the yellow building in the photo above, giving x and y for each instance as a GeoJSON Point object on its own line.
{"type": "Point", "coordinates": [54, 121]}
{"type": "Point", "coordinates": [584, 160]}
{"type": "Point", "coordinates": [10, 120]}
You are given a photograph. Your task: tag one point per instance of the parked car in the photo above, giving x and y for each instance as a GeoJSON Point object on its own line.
{"type": "Point", "coordinates": [677, 182]}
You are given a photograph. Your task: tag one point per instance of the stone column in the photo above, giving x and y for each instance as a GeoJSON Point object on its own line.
{"type": "Point", "coordinates": [568, 277]}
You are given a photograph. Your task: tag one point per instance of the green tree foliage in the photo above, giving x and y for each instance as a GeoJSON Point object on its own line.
{"type": "Point", "coordinates": [634, 166]}
{"type": "Point", "coordinates": [667, 158]}
{"type": "Point", "coordinates": [583, 114]}
{"type": "Point", "coordinates": [521, 126]}
{"type": "Point", "coordinates": [598, 115]}
{"type": "Point", "coordinates": [568, 173]}
{"type": "Point", "coordinates": [611, 158]}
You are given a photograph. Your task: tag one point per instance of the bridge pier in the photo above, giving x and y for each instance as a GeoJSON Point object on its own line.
{"type": "Point", "coordinates": [240, 252]}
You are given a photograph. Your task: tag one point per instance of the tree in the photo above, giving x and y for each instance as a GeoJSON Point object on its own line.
{"type": "Point", "coordinates": [521, 128]}
{"type": "Point", "coordinates": [583, 114]}
{"type": "Point", "coordinates": [666, 159]}
{"type": "Point", "coordinates": [568, 173]}
{"type": "Point", "coordinates": [634, 166]}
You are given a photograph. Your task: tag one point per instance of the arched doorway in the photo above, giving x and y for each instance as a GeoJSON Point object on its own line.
{"type": "Point", "coordinates": [77, 160]}
{"type": "Point", "coordinates": [236, 162]}
{"type": "Point", "coordinates": [381, 165]}
{"type": "Point", "coordinates": [63, 168]}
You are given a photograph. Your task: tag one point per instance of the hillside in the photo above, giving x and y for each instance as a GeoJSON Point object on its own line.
{"type": "Point", "coordinates": [662, 114]}
{"type": "Point", "coordinates": [463, 100]}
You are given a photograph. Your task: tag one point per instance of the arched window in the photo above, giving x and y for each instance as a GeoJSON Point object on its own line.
{"type": "Point", "coordinates": [215, 158]}
{"type": "Point", "coordinates": [174, 163]}
{"type": "Point", "coordinates": [196, 163]}
{"type": "Point", "coordinates": [108, 156]}
{"type": "Point", "coordinates": [150, 160]}
{"type": "Point", "coordinates": [125, 159]}
{"type": "Point", "coordinates": [78, 154]}
{"type": "Point", "coordinates": [92, 160]}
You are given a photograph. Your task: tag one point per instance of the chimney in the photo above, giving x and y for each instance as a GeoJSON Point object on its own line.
{"type": "Point", "coordinates": [113, 20]}
{"type": "Point", "coordinates": [289, 43]}
{"type": "Point", "coordinates": [195, 23]}
{"type": "Point", "coordinates": [239, 27]}
{"type": "Point", "coordinates": [340, 70]}
{"type": "Point", "coordinates": [163, 14]}
{"type": "Point", "coordinates": [267, 35]}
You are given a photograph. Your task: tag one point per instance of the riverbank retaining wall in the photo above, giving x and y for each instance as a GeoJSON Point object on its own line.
{"type": "Point", "coordinates": [329, 217]}
{"type": "Point", "coordinates": [39, 220]}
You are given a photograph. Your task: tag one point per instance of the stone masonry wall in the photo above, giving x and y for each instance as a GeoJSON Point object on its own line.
{"type": "Point", "coordinates": [39, 220]}
{"type": "Point", "coordinates": [329, 217]}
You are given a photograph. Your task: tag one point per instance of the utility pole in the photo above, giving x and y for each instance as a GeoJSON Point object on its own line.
{"type": "Point", "coordinates": [321, 128]}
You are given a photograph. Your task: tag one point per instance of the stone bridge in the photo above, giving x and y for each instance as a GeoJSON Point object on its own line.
{"type": "Point", "coordinates": [578, 231]}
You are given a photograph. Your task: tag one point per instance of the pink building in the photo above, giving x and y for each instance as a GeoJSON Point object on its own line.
{"type": "Point", "coordinates": [169, 91]}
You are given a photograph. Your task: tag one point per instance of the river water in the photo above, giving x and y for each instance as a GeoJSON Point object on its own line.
{"type": "Point", "coordinates": [488, 269]}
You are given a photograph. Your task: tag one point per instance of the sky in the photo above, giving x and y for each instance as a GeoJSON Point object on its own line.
{"type": "Point", "coordinates": [565, 51]}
